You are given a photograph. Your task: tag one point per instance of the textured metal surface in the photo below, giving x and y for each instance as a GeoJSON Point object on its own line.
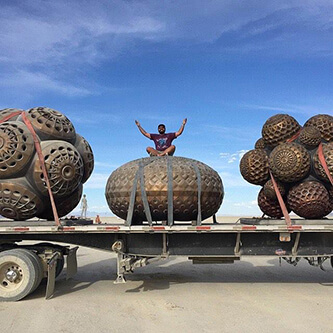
{"type": "Point", "coordinates": [279, 128]}
{"type": "Point", "coordinates": [310, 136]}
{"type": "Point", "coordinates": [64, 166]}
{"type": "Point", "coordinates": [270, 192]}
{"type": "Point", "coordinates": [16, 148]}
{"type": "Point", "coordinates": [64, 205]}
{"type": "Point", "coordinates": [318, 168]}
{"type": "Point", "coordinates": [290, 162]}
{"type": "Point", "coordinates": [324, 123]}
{"type": "Point", "coordinates": [254, 166]}
{"type": "Point", "coordinates": [269, 206]}
{"type": "Point", "coordinates": [6, 112]}
{"type": "Point", "coordinates": [260, 144]}
{"type": "Point", "coordinates": [51, 124]}
{"type": "Point", "coordinates": [185, 189]}
{"type": "Point", "coordinates": [310, 199]}
{"type": "Point", "coordinates": [83, 147]}
{"type": "Point", "coordinates": [18, 201]}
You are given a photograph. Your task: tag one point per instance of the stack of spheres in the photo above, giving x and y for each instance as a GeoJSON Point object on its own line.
{"type": "Point", "coordinates": [291, 154]}
{"type": "Point", "coordinates": [68, 157]}
{"type": "Point", "coordinates": [184, 175]}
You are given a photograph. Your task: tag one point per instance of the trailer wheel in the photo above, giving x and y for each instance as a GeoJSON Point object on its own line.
{"type": "Point", "coordinates": [18, 275]}
{"type": "Point", "coordinates": [37, 264]}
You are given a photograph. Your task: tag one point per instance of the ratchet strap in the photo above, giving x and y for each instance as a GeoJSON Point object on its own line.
{"type": "Point", "coordinates": [281, 202]}
{"type": "Point", "coordinates": [170, 190]}
{"type": "Point", "coordinates": [294, 137]}
{"type": "Point", "coordinates": [40, 157]}
{"type": "Point", "coordinates": [197, 171]}
{"type": "Point", "coordinates": [323, 162]}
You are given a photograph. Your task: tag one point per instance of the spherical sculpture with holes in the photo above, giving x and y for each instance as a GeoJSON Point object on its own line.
{"type": "Point", "coordinates": [324, 123]}
{"type": "Point", "coordinates": [328, 156]}
{"type": "Point", "coordinates": [184, 179]}
{"type": "Point", "coordinates": [69, 162]}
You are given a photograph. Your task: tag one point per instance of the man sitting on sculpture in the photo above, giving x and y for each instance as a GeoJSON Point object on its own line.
{"type": "Point", "coordinates": [162, 140]}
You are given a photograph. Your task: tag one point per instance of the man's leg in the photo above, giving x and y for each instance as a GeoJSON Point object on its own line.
{"type": "Point", "coordinates": [152, 152]}
{"type": "Point", "coordinates": [169, 151]}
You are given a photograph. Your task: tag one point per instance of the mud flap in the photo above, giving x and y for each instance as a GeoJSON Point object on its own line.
{"type": "Point", "coordinates": [71, 263]}
{"type": "Point", "coordinates": [51, 275]}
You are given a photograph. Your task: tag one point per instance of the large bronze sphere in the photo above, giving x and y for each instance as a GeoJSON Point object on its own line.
{"type": "Point", "coordinates": [290, 162]}
{"type": "Point", "coordinates": [18, 200]}
{"type": "Point", "coordinates": [51, 124]}
{"type": "Point", "coordinates": [279, 128]}
{"type": "Point", "coordinates": [87, 155]}
{"type": "Point", "coordinates": [270, 191]}
{"type": "Point", "coordinates": [64, 166]}
{"type": "Point", "coordinates": [64, 205]}
{"type": "Point", "coordinates": [260, 144]}
{"type": "Point", "coordinates": [254, 166]}
{"type": "Point", "coordinates": [324, 123]}
{"type": "Point", "coordinates": [318, 168]}
{"type": "Point", "coordinates": [185, 189]}
{"type": "Point", "coordinates": [268, 206]}
{"type": "Point", "coordinates": [310, 199]}
{"type": "Point", "coordinates": [16, 148]}
{"type": "Point", "coordinates": [310, 137]}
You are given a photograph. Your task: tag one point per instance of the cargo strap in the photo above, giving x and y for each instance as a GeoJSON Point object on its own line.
{"type": "Point", "coordinates": [197, 171]}
{"type": "Point", "coordinates": [281, 202]}
{"type": "Point", "coordinates": [170, 190]}
{"type": "Point", "coordinates": [294, 137]}
{"type": "Point", "coordinates": [40, 157]}
{"type": "Point", "coordinates": [322, 161]}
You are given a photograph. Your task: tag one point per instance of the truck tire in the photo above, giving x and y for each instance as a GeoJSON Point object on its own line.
{"type": "Point", "coordinates": [37, 264]}
{"type": "Point", "coordinates": [18, 275]}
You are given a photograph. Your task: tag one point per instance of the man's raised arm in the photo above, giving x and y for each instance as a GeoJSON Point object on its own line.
{"type": "Point", "coordinates": [181, 128]}
{"type": "Point", "coordinates": [147, 135]}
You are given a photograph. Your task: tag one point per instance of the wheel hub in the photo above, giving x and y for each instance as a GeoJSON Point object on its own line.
{"type": "Point", "coordinates": [12, 275]}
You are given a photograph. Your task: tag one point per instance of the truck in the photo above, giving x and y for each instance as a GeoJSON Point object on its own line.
{"type": "Point", "coordinates": [23, 265]}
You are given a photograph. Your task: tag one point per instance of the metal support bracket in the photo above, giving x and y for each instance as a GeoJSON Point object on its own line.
{"type": "Point", "coordinates": [51, 275]}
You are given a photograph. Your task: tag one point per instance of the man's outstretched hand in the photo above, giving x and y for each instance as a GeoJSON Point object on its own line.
{"type": "Point", "coordinates": [184, 121]}
{"type": "Point", "coordinates": [137, 123]}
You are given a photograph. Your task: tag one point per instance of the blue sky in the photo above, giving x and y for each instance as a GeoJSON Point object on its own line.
{"type": "Point", "coordinates": [225, 65]}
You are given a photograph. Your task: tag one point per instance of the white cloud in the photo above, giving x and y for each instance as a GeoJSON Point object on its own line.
{"type": "Point", "coordinates": [233, 157]}
{"type": "Point", "coordinates": [233, 180]}
{"type": "Point", "coordinates": [97, 181]}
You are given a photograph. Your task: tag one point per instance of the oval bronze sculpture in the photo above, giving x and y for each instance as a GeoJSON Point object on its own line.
{"type": "Point", "coordinates": [324, 123]}
{"type": "Point", "coordinates": [279, 128]}
{"type": "Point", "coordinates": [155, 172]}
{"type": "Point", "coordinates": [290, 162]}
{"type": "Point", "coordinates": [16, 148]}
{"type": "Point", "coordinates": [310, 199]}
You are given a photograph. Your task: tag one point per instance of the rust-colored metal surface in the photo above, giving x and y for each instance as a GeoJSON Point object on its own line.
{"type": "Point", "coordinates": [18, 201]}
{"type": "Point", "coordinates": [185, 189]}
{"type": "Point", "coordinates": [64, 166]}
{"type": "Point", "coordinates": [290, 162]}
{"type": "Point", "coordinates": [279, 128]}
{"type": "Point", "coordinates": [324, 123]}
{"type": "Point", "coordinates": [51, 124]}
{"type": "Point", "coordinates": [310, 199]}
{"type": "Point", "coordinates": [64, 205]}
{"type": "Point", "coordinates": [269, 206]}
{"type": "Point", "coordinates": [16, 148]}
{"type": "Point", "coordinates": [318, 168]}
{"type": "Point", "coordinates": [83, 147]}
{"type": "Point", "coordinates": [310, 137]}
{"type": "Point", "coordinates": [260, 144]}
{"type": "Point", "coordinates": [270, 191]}
{"type": "Point", "coordinates": [254, 166]}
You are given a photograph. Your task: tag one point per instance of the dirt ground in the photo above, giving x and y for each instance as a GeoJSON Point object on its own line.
{"type": "Point", "coordinates": [252, 295]}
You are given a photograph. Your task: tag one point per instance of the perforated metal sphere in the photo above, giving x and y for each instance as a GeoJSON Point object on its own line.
{"type": "Point", "coordinates": [310, 136]}
{"type": "Point", "coordinates": [254, 166]}
{"type": "Point", "coordinates": [83, 147]}
{"type": "Point", "coordinates": [290, 162]}
{"type": "Point", "coordinates": [6, 112]}
{"type": "Point", "coordinates": [268, 206]}
{"type": "Point", "coordinates": [64, 166]}
{"type": "Point", "coordinates": [324, 123]}
{"type": "Point", "coordinates": [270, 191]}
{"type": "Point", "coordinates": [279, 128]}
{"type": "Point", "coordinates": [328, 155]}
{"type": "Point", "coordinates": [16, 148]}
{"type": "Point", "coordinates": [185, 189]}
{"type": "Point", "coordinates": [64, 205]}
{"type": "Point", "coordinates": [18, 200]}
{"type": "Point", "coordinates": [51, 124]}
{"type": "Point", "coordinates": [260, 144]}
{"type": "Point", "coordinates": [310, 199]}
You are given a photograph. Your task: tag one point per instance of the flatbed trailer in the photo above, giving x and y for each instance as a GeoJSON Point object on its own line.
{"type": "Point", "coordinates": [23, 266]}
